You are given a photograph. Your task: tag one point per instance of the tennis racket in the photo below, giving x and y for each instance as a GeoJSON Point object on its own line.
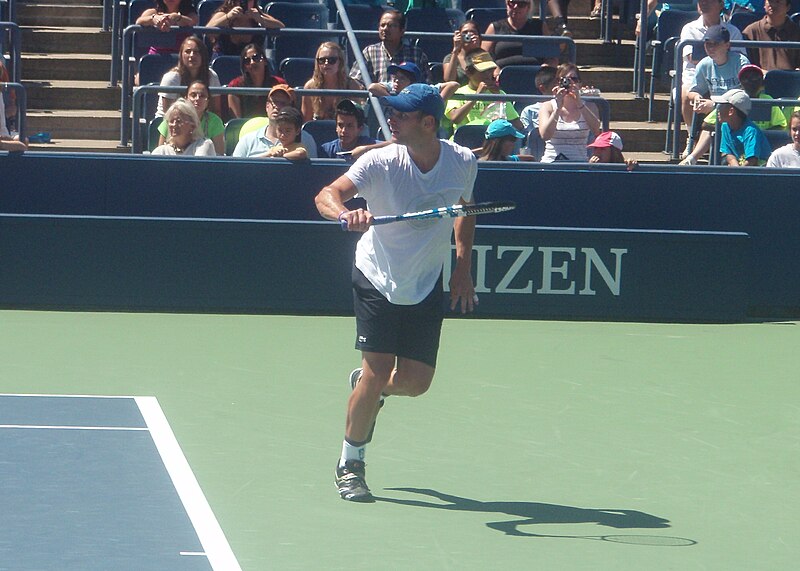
{"type": "Point", "coordinates": [446, 212]}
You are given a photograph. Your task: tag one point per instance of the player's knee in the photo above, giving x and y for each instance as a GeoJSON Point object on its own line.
{"type": "Point", "coordinates": [416, 386]}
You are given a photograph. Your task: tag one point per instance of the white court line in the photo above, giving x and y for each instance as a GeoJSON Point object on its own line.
{"type": "Point", "coordinates": [66, 396]}
{"type": "Point", "coordinates": [52, 427]}
{"type": "Point", "coordinates": [211, 536]}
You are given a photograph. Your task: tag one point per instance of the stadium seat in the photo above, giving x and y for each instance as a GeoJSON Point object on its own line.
{"type": "Point", "coordinates": [297, 70]}
{"type": "Point", "coordinates": [205, 9]}
{"type": "Point", "coordinates": [287, 46]}
{"type": "Point", "coordinates": [436, 70]}
{"type": "Point", "coordinates": [434, 20]}
{"type": "Point", "coordinates": [323, 130]}
{"type": "Point", "coordinates": [743, 19]}
{"type": "Point", "coordinates": [227, 68]}
{"type": "Point", "coordinates": [470, 136]}
{"type": "Point", "coordinates": [307, 15]}
{"type": "Point", "coordinates": [136, 8]}
{"type": "Point", "coordinates": [485, 16]}
{"type": "Point", "coordinates": [782, 83]}
{"type": "Point", "coordinates": [519, 80]}
{"type": "Point", "coordinates": [231, 135]}
{"type": "Point", "coordinates": [152, 68]}
{"type": "Point", "coordinates": [361, 16]}
{"type": "Point", "coordinates": [152, 133]}
{"type": "Point", "coordinates": [777, 138]}
{"type": "Point", "coordinates": [467, 5]}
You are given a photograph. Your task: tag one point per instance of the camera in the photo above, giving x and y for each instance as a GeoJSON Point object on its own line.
{"type": "Point", "coordinates": [243, 5]}
{"type": "Point", "coordinates": [468, 37]}
{"type": "Point", "coordinates": [565, 83]}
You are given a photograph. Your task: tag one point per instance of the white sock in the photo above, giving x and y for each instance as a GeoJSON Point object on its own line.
{"type": "Point", "coordinates": [352, 452]}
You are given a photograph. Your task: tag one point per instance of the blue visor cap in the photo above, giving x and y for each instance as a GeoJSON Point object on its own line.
{"type": "Point", "coordinates": [408, 67]}
{"type": "Point", "coordinates": [502, 128]}
{"type": "Point", "coordinates": [417, 97]}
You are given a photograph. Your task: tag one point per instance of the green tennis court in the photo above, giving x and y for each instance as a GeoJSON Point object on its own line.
{"type": "Point", "coordinates": [541, 445]}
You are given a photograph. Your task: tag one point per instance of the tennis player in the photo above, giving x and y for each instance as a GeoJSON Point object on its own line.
{"type": "Point", "coordinates": [397, 275]}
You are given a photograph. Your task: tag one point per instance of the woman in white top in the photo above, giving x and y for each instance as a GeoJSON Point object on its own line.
{"type": "Point", "coordinates": [185, 135]}
{"type": "Point", "coordinates": [566, 122]}
{"type": "Point", "coordinates": [788, 156]}
{"type": "Point", "coordinates": [192, 65]}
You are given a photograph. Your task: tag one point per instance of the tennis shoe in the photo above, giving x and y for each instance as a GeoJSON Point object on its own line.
{"type": "Point", "coordinates": [355, 376]}
{"type": "Point", "coordinates": [351, 482]}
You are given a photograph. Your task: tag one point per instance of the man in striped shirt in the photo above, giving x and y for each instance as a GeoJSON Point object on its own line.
{"type": "Point", "coordinates": [392, 49]}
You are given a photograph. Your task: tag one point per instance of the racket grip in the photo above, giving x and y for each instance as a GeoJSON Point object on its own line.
{"type": "Point", "coordinates": [343, 224]}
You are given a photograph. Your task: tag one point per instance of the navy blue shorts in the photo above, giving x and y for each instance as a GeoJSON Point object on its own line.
{"type": "Point", "coordinates": [410, 331]}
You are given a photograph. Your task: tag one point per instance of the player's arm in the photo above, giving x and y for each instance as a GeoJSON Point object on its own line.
{"type": "Point", "coordinates": [330, 204]}
{"type": "Point", "coordinates": [462, 290]}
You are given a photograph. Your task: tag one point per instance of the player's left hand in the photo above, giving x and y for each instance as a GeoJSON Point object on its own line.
{"type": "Point", "coordinates": [462, 290]}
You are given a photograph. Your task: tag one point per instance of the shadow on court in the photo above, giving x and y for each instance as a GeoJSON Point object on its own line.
{"type": "Point", "coordinates": [532, 513]}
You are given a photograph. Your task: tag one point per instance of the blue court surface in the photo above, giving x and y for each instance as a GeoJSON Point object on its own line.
{"type": "Point", "coordinates": [100, 483]}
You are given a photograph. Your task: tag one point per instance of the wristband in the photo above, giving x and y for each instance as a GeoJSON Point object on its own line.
{"type": "Point", "coordinates": [342, 213]}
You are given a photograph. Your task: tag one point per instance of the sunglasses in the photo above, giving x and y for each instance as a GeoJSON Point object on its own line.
{"type": "Point", "coordinates": [330, 60]}
{"type": "Point", "coordinates": [254, 59]}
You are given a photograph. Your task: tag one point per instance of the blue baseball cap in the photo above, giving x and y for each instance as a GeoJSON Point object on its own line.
{"type": "Point", "coordinates": [417, 97]}
{"type": "Point", "coordinates": [502, 128]}
{"type": "Point", "coordinates": [408, 67]}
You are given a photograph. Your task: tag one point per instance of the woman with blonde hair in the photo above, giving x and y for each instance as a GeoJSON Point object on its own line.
{"type": "Point", "coordinates": [330, 72]}
{"type": "Point", "coordinates": [185, 136]}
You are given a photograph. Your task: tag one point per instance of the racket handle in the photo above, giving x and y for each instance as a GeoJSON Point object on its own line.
{"type": "Point", "coordinates": [343, 224]}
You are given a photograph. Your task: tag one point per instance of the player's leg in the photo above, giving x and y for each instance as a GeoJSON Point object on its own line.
{"type": "Point", "coordinates": [411, 378]}
{"type": "Point", "coordinates": [376, 372]}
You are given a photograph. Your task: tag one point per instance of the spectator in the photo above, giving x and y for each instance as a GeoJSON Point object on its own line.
{"type": "Point", "coordinates": [742, 144]}
{"type": "Point", "coordinates": [192, 64]}
{"type": "Point", "coordinates": [716, 73]}
{"type": "Point", "coordinates": [7, 142]}
{"type": "Point", "coordinates": [329, 73]}
{"type": "Point", "coordinates": [259, 135]}
{"type": "Point", "coordinates": [392, 48]}
{"type": "Point", "coordinates": [349, 142]}
{"type": "Point", "coordinates": [607, 148]}
{"type": "Point", "coordinates": [240, 14]}
{"type": "Point", "coordinates": [9, 96]}
{"type": "Point", "coordinates": [775, 26]}
{"type": "Point", "coordinates": [501, 138]}
{"type": "Point", "coordinates": [254, 68]}
{"type": "Point", "coordinates": [752, 79]}
{"type": "Point", "coordinates": [566, 121]}
{"type": "Point", "coordinates": [166, 14]}
{"type": "Point", "coordinates": [404, 74]}
{"type": "Point", "coordinates": [545, 82]}
{"type": "Point", "coordinates": [480, 69]}
{"type": "Point", "coordinates": [517, 23]}
{"type": "Point", "coordinates": [185, 136]}
{"type": "Point", "coordinates": [288, 124]}
{"type": "Point", "coordinates": [466, 40]}
{"type": "Point", "coordinates": [788, 156]}
{"type": "Point", "coordinates": [710, 15]}
{"type": "Point", "coordinates": [210, 123]}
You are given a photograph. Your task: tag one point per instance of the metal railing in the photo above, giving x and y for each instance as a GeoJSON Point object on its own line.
{"type": "Point", "coordinates": [676, 96]}
{"type": "Point", "coordinates": [351, 35]}
{"type": "Point", "coordinates": [15, 49]}
{"type": "Point", "coordinates": [22, 106]}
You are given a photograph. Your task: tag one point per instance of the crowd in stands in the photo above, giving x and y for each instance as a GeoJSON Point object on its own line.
{"type": "Point", "coordinates": [718, 83]}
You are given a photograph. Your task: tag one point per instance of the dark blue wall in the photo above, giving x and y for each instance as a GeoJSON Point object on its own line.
{"type": "Point", "coordinates": [763, 204]}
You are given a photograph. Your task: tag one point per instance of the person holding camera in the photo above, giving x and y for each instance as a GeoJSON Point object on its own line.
{"type": "Point", "coordinates": [566, 121]}
{"type": "Point", "coordinates": [466, 40]}
{"type": "Point", "coordinates": [240, 14]}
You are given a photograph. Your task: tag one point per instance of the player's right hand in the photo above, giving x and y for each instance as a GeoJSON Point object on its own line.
{"type": "Point", "coordinates": [358, 220]}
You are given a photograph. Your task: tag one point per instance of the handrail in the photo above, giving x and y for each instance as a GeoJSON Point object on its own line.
{"type": "Point", "coordinates": [678, 66]}
{"type": "Point", "coordinates": [22, 106]}
{"type": "Point", "coordinates": [16, 49]}
{"type": "Point", "coordinates": [127, 50]}
{"type": "Point", "coordinates": [140, 92]}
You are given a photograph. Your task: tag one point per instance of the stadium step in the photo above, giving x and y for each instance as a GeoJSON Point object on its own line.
{"type": "Point", "coordinates": [31, 14]}
{"type": "Point", "coordinates": [76, 124]}
{"type": "Point", "coordinates": [64, 39]}
{"type": "Point", "coordinates": [67, 94]}
{"type": "Point", "coordinates": [66, 66]}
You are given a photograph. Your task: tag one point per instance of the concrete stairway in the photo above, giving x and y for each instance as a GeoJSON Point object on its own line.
{"type": "Point", "coordinates": [66, 66]}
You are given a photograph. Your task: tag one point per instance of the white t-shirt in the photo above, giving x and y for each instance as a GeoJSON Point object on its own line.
{"type": "Point", "coordinates": [403, 260]}
{"type": "Point", "coordinates": [3, 127]}
{"type": "Point", "coordinates": [199, 148]}
{"type": "Point", "coordinates": [786, 157]}
{"type": "Point", "coordinates": [173, 79]}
